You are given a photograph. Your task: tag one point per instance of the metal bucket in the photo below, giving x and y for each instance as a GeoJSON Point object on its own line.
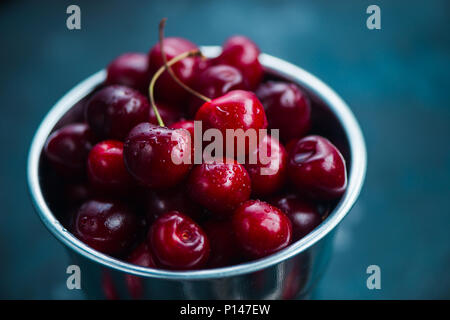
{"type": "Point", "coordinates": [290, 273]}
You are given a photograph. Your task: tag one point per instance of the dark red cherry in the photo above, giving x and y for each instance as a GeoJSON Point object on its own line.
{"type": "Point", "coordinates": [290, 145]}
{"type": "Point", "coordinates": [304, 214]}
{"type": "Point", "coordinates": [224, 249]}
{"type": "Point", "coordinates": [186, 125]}
{"type": "Point", "coordinates": [173, 199]}
{"type": "Point", "coordinates": [261, 229]}
{"type": "Point", "coordinates": [67, 149]}
{"type": "Point", "coordinates": [287, 107]}
{"type": "Point", "coordinates": [178, 242]}
{"type": "Point", "coordinates": [268, 174]}
{"type": "Point", "coordinates": [317, 169]}
{"type": "Point", "coordinates": [166, 88]}
{"type": "Point", "coordinates": [189, 126]}
{"type": "Point", "coordinates": [236, 109]}
{"type": "Point", "coordinates": [242, 53]}
{"type": "Point", "coordinates": [220, 186]}
{"type": "Point", "coordinates": [131, 70]}
{"type": "Point", "coordinates": [106, 168]}
{"type": "Point", "coordinates": [77, 193]}
{"type": "Point", "coordinates": [142, 257]}
{"type": "Point", "coordinates": [107, 226]}
{"type": "Point", "coordinates": [214, 82]}
{"type": "Point", "coordinates": [157, 157]}
{"type": "Point", "coordinates": [114, 110]}
{"type": "Point", "coordinates": [168, 114]}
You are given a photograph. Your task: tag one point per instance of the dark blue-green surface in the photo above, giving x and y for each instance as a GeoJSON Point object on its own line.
{"type": "Point", "coordinates": [396, 80]}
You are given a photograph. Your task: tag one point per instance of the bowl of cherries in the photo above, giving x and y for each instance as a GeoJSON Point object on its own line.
{"type": "Point", "coordinates": [137, 172]}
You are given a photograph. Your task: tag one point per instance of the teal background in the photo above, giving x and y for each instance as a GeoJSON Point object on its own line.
{"type": "Point", "coordinates": [396, 80]}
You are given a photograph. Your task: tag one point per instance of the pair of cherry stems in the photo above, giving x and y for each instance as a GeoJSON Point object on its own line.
{"type": "Point", "coordinates": [167, 66]}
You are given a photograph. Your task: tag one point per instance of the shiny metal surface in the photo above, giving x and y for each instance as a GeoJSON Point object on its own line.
{"type": "Point", "coordinates": [289, 273]}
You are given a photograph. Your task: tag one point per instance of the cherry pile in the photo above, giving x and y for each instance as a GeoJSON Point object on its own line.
{"type": "Point", "coordinates": [130, 200]}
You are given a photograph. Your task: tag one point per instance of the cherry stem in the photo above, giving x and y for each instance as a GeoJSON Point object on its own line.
{"type": "Point", "coordinates": [169, 69]}
{"type": "Point", "coordinates": [151, 87]}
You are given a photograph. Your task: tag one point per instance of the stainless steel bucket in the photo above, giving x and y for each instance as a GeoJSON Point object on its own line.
{"type": "Point", "coordinates": [290, 273]}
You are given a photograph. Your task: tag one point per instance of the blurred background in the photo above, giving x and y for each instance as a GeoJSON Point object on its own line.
{"type": "Point", "coordinates": [396, 80]}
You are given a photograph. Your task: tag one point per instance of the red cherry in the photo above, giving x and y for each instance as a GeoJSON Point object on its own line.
{"type": "Point", "coordinates": [107, 226]}
{"type": "Point", "coordinates": [214, 82]}
{"type": "Point", "coordinates": [290, 145]}
{"type": "Point", "coordinates": [131, 70]}
{"type": "Point", "coordinates": [304, 214]}
{"type": "Point", "coordinates": [113, 111]}
{"type": "Point", "coordinates": [178, 242]}
{"type": "Point", "coordinates": [186, 125]}
{"type": "Point", "coordinates": [168, 114]}
{"type": "Point", "coordinates": [189, 126]}
{"type": "Point", "coordinates": [234, 110]}
{"type": "Point", "coordinates": [67, 149]}
{"type": "Point", "coordinates": [77, 193]}
{"type": "Point", "coordinates": [174, 199]}
{"type": "Point", "coordinates": [143, 257]}
{"type": "Point", "coordinates": [287, 107]}
{"type": "Point", "coordinates": [242, 53]}
{"type": "Point", "coordinates": [166, 88]}
{"type": "Point", "coordinates": [154, 155]}
{"type": "Point", "coordinates": [316, 168]}
{"type": "Point", "coordinates": [224, 249]}
{"type": "Point", "coordinates": [237, 109]}
{"type": "Point", "coordinates": [219, 186]}
{"type": "Point", "coordinates": [269, 177]}
{"type": "Point", "coordinates": [106, 169]}
{"type": "Point", "coordinates": [261, 229]}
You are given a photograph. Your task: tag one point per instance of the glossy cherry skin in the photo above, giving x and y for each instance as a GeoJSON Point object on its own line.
{"type": "Point", "coordinates": [154, 155]}
{"type": "Point", "coordinates": [173, 199]}
{"type": "Point", "coordinates": [236, 109]}
{"type": "Point", "coordinates": [107, 226]}
{"type": "Point", "coordinates": [261, 229]}
{"type": "Point", "coordinates": [178, 242]}
{"type": "Point", "coordinates": [186, 125]}
{"type": "Point", "coordinates": [114, 110]}
{"type": "Point", "coordinates": [268, 175]}
{"type": "Point", "coordinates": [287, 107]}
{"type": "Point", "coordinates": [317, 169]}
{"type": "Point", "coordinates": [166, 88]}
{"type": "Point", "coordinates": [131, 70]}
{"type": "Point", "coordinates": [189, 126]}
{"type": "Point", "coordinates": [304, 214]}
{"type": "Point", "coordinates": [242, 53]}
{"type": "Point", "coordinates": [220, 186]}
{"type": "Point", "coordinates": [214, 82]}
{"type": "Point", "coordinates": [106, 168]}
{"type": "Point", "coordinates": [168, 113]}
{"type": "Point", "coordinates": [224, 249]}
{"type": "Point", "coordinates": [67, 149]}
